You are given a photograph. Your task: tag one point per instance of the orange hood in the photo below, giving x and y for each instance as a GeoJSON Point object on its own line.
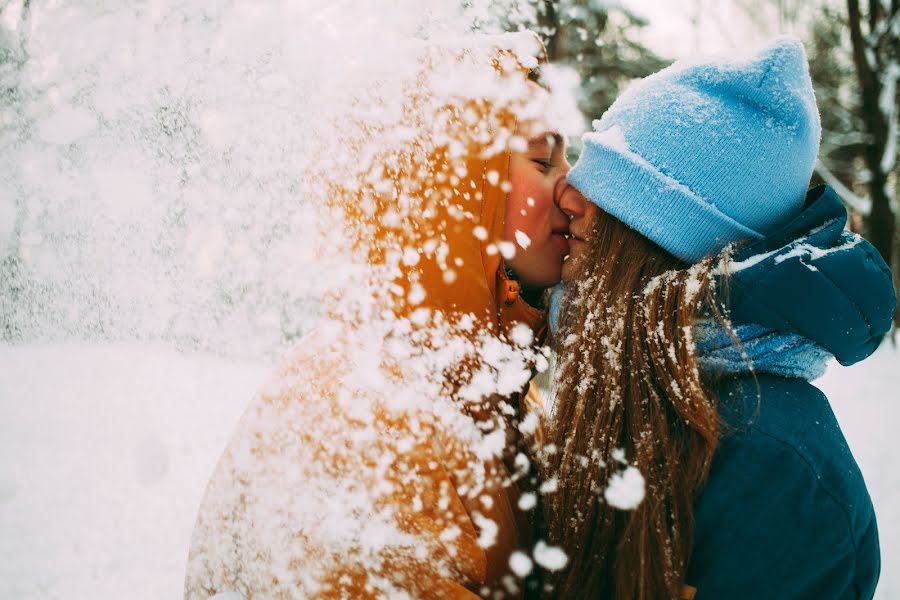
{"type": "Point", "coordinates": [427, 206]}
{"type": "Point", "coordinates": [332, 434]}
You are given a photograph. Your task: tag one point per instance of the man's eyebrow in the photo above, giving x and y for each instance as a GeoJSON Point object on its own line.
{"type": "Point", "coordinates": [551, 139]}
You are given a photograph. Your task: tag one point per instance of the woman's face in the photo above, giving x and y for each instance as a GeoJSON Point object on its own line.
{"type": "Point", "coordinates": [534, 221]}
{"type": "Point", "coordinates": [581, 213]}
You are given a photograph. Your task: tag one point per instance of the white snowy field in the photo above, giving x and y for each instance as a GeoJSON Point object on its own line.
{"type": "Point", "coordinates": [106, 450]}
{"type": "Point", "coordinates": [107, 447]}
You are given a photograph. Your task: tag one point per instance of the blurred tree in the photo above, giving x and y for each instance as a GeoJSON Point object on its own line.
{"type": "Point", "coordinates": [15, 22]}
{"type": "Point", "coordinates": [599, 41]}
{"type": "Point", "coordinates": [855, 64]}
{"type": "Point", "coordinates": [876, 58]}
{"type": "Point", "coordinates": [843, 135]}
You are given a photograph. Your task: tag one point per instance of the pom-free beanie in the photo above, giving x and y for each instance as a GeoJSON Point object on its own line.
{"type": "Point", "coordinates": [702, 154]}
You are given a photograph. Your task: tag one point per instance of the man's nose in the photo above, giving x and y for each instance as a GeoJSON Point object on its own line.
{"type": "Point", "coordinates": [566, 165]}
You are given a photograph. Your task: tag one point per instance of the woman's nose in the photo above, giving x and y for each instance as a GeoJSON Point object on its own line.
{"type": "Point", "coordinates": [570, 201]}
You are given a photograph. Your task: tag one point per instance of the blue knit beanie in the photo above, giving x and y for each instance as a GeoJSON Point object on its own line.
{"type": "Point", "coordinates": [700, 155]}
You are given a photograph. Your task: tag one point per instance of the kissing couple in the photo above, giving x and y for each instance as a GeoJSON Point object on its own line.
{"type": "Point", "coordinates": [683, 281]}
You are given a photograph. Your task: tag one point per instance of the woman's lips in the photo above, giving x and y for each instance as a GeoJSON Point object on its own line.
{"type": "Point", "coordinates": [574, 237]}
{"type": "Point", "coordinates": [576, 245]}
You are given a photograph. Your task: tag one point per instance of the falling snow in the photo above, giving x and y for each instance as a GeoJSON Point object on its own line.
{"type": "Point", "coordinates": [520, 564]}
{"type": "Point", "coordinates": [625, 489]}
{"type": "Point", "coordinates": [522, 239]}
{"type": "Point", "coordinates": [550, 557]}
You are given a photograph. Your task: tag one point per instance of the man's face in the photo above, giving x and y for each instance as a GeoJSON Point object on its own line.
{"type": "Point", "coordinates": [533, 220]}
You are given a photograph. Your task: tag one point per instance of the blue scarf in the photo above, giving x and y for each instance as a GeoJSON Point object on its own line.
{"type": "Point", "coordinates": [769, 351]}
{"type": "Point", "coordinates": [553, 308]}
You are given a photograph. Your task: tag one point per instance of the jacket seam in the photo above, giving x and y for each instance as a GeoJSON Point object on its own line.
{"type": "Point", "coordinates": [857, 588]}
{"type": "Point", "coordinates": [819, 484]}
{"type": "Point", "coordinates": [850, 301]}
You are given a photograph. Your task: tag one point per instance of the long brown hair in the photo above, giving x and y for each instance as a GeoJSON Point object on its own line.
{"type": "Point", "coordinates": [627, 379]}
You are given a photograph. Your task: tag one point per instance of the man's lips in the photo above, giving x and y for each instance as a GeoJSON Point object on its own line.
{"type": "Point", "coordinates": [561, 238]}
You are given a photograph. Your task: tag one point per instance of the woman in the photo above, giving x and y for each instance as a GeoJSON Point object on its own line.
{"type": "Point", "coordinates": [704, 290]}
{"type": "Point", "coordinates": [376, 463]}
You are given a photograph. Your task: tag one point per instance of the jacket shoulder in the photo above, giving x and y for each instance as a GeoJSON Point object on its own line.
{"type": "Point", "coordinates": [779, 418]}
{"type": "Point", "coordinates": [785, 511]}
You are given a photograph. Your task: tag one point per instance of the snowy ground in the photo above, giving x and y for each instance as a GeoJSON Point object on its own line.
{"type": "Point", "coordinates": [106, 449]}
{"type": "Point", "coordinates": [866, 400]}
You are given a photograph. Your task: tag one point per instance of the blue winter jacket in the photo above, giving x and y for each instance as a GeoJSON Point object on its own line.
{"type": "Point", "coordinates": [785, 512]}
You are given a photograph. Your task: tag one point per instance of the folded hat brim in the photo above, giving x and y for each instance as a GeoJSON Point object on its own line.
{"type": "Point", "coordinates": [668, 213]}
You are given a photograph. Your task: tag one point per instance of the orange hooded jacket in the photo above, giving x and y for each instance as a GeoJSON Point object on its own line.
{"type": "Point", "coordinates": [340, 481]}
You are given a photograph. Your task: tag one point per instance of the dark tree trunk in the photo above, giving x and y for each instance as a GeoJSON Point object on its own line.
{"type": "Point", "coordinates": [549, 22]}
{"type": "Point", "coordinates": [881, 221]}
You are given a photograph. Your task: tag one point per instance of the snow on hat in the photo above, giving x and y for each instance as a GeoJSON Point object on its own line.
{"type": "Point", "coordinates": [702, 154]}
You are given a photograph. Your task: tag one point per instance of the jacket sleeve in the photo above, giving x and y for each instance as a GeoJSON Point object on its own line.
{"type": "Point", "coordinates": [766, 527]}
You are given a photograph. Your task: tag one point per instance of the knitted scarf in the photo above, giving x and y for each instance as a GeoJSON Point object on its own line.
{"type": "Point", "coordinates": [768, 350]}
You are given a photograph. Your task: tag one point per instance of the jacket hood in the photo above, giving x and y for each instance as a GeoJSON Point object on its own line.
{"type": "Point", "coordinates": [426, 203]}
{"type": "Point", "coordinates": [815, 279]}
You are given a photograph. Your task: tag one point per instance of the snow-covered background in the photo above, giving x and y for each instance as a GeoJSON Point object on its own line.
{"type": "Point", "coordinates": [106, 451]}
{"type": "Point", "coordinates": [160, 247]}
{"type": "Point", "coordinates": [157, 255]}
{"type": "Point", "coordinates": [157, 158]}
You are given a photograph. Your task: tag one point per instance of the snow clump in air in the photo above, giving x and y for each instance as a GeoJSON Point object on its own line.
{"type": "Point", "coordinates": [625, 489]}
{"type": "Point", "coordinates": [521, 335]}
{"type": "Point", "coordinates": [551, 558]}
{"type": "Point", "coordinates": [507, 249]}
{"type": "Point", "coordinates": [520, 564]}
{"type": "Point", "coordinates": [527, 501]}
{"type": "Point", "coordinates": [522, 239]}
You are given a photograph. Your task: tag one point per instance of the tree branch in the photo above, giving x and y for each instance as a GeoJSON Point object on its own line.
{"type": "Point", "coordinates": [881, 29]}
{"type": "Point", "coordinates": [874, 12]}
{"type": "Point", "coordinates": [861, 205]}
{"type": "Point", "coordinates": [869, 86]}
{"type": "Point", "coordinates": [864, 67]}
